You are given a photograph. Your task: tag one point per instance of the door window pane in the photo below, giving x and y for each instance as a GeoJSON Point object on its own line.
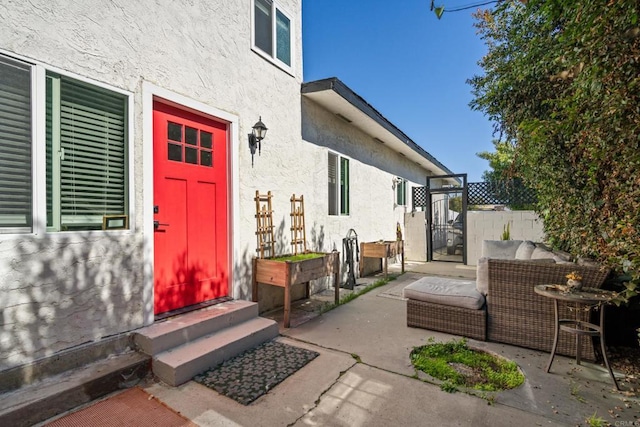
{"type": "Point", "coordinates": [206, 159]}
{"type": "Point", "coordinates": [174, 132]}
{"type": "Point", "coordinates": [191, 155]}
{"type": "Point", "coordinates": [175, 152]}
{"type": "Point", "coordinates": [206, 139]}
{"type": "Point", "coordinates": [191, 136]}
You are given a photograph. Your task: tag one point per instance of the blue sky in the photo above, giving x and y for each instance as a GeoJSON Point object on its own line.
{"type": "Point", "coordinates": [409, 65]}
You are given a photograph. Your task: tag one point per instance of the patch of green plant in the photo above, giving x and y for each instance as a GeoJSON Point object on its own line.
{"type": "Point", "coordinates": [575, 392]}
{"type": "Point", "coordinates": [298, 257]}
{"type": "Point", "coordinates": [506, 232]}
{"type": "Point", "coordinates": [595, 421]}
{"type": "Point", "coordinates": [448, 386]}
{"type": "Point", "coordinates": [490, 398]}
{"type": "Point", "coordinates": [476, 369]}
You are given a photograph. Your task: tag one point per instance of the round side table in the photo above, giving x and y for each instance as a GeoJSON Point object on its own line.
{"type": "Point", "coordinates": [588, 297]}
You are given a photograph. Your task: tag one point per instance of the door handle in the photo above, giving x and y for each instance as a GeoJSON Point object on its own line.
{"type": "Point", "coordinates": [157, 224]}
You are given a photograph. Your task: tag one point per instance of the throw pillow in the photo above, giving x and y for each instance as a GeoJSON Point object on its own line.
{"type": "Point", "coordinates": [525, 250]}
{"type": "Point", "coordinates": [539, 253]}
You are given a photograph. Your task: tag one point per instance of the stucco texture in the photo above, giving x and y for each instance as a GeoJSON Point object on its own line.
{"type": "Point", "coordinates": [62, 290]}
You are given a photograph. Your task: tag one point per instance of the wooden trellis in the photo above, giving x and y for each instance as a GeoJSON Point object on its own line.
{"type": "Point", "coordinates": [298, 232]}
{"type": "Point", "coordinates": [264, 223]}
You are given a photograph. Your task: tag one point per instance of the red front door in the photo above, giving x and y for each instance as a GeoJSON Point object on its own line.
{"type": "Point", "coordinates": [190, 208]}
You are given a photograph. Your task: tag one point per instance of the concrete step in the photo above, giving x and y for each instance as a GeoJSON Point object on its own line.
{"type": "Point", "coordinates": [54, 395]}
{"type": "Point", "coordinates": [179, 330]}
{"type": "Point", "coordinates": [179, 365]}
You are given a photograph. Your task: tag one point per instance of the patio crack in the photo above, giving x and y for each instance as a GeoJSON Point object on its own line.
{"type": "Point", "coordinates": [325, 391]}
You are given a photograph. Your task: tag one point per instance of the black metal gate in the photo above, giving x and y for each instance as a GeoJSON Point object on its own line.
{"type": "Point", "coordinates": [446, 217]}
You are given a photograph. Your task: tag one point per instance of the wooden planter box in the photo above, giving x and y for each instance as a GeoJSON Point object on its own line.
{"type": "Point", "coordinates": [382, 250]}
{"type": "Point", "coordinates": [288, 273]}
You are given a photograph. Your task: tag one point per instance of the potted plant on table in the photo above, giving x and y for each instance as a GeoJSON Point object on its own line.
{"type": "Point", "coordinates": [574, 281]}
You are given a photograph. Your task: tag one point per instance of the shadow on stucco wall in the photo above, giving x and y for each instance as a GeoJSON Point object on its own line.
{"type": "Point", "coordinates": [60, 291]}
{"type": "Point", "coordinates": [174, 289]}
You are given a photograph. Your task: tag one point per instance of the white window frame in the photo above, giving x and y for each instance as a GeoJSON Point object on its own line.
{"type": "Point", "coordinates": [275, 7]}
{"type": "Point", "coordinates": [340, 209]}
{"type": "Point", "coordinates": [38, 149]}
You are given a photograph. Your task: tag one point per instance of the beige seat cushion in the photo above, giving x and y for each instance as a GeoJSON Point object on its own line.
{"type": "Point", "coordinates": [445, 291]}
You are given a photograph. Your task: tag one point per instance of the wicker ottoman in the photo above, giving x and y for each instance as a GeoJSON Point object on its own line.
{"type": "Point", "coordinates": [447, 305]}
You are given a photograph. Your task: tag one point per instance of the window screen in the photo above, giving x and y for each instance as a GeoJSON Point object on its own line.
{"type": "Point", "coordinates": [15, 146]}
{"type": "Point", "coordinates": [86, 145]}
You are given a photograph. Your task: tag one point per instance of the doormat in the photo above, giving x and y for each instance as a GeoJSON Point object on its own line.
{"type": "Point", "coordinates": [253, 373]}
{"type": "Point", "coordinates": [131, 408]}
{"type": "Point", "coordinates": [395, 292]}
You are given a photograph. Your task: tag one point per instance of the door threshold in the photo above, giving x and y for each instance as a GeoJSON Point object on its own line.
{"type": "Point", "coordinates": [194, 307]}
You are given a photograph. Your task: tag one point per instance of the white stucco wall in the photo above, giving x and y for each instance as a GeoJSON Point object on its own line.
{"type": "Point", "coordinates": [373, 166]}
{"type": "Point", "coordinates": [489, 225]}
{"type": "Point", "coordinates": [481, 225]}
{"type": "Point", "coordinates": [66, 289]}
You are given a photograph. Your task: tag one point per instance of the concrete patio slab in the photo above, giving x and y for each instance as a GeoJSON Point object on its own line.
{"type": "Point", "coordinates": [363, 377]}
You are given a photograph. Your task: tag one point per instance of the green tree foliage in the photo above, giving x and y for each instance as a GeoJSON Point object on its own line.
{"type": "Point", "coordinates": [562, 80]}
{"type": "Point", "coordinates": [500, 161]}
{"type": "Point", "coordinates": [505, 173]}
{"type": "Point", "coordinates": [455, 203]}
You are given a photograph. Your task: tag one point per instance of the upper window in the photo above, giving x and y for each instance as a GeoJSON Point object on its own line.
{"type": "Point", "coordinates": [338, 185]}
{"type": "Point", "coordinates": [86, 146]}
{"type": "Point", "coordinates": [272, 32]}
{"type": "Point", "coordinates": [401, 192]}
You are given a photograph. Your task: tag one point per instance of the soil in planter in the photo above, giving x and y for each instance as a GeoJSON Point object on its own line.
{"type": "Point", "coordinates": [456, 364]}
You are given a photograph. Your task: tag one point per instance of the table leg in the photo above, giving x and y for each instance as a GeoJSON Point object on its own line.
{"type": "Point", "coordinates": [555, 337]}
{"type": "Point", "coordinates": [578, 336]}
{"type": "Point", "coordinates": [604, 351]}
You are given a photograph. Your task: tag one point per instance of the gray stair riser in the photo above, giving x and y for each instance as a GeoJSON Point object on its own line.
{"type": "Point", "coordinates": [175, 374]}
{"type": "Point", "coordinates": [184, 332]}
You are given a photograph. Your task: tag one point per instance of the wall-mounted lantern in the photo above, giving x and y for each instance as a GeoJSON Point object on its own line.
{"type": "Point", "coordinates": [259, 131]}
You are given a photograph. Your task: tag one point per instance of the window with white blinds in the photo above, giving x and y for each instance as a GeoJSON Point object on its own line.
{"type": "Point", "coordinates": [86, 154]}
{"type": "Point", "coordinates": [338, 185]}
{"type": "Point", "coordinates": [15, 147]}
{"type": "Point", "coordinates": [86, 144]}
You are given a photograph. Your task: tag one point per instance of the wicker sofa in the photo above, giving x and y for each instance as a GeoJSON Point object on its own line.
{"type": "Point", "coordinates": [517, 315]}
{"type": "Point", "coordinates": [513, 313]}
